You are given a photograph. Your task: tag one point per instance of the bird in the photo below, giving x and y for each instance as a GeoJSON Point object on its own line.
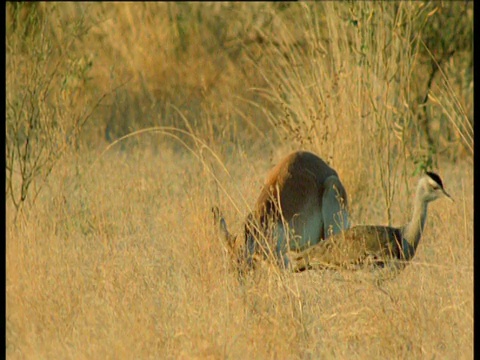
{"type": "Point", "coordinates": [365, 245]}
{"type": "Point", "coordinates": [301, 203]}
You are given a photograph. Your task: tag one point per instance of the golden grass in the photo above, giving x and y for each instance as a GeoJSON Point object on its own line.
{"type": "Point", "coordinates": [123, 262]}
{"type": "Point", "coordinates": [118, 257]}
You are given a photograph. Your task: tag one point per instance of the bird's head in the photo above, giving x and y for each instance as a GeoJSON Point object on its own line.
{"type": "Point", "coordinates": [432, 187]}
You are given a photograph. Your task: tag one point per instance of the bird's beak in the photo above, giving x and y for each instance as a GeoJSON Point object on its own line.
{"type": "Point", "coordinates": [448, 196]}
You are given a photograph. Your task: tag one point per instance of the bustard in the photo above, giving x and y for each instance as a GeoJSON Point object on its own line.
{"type": "Point", "coordinates": [302, 202]}
{"type": "Point", "coordinates": [369, 244]}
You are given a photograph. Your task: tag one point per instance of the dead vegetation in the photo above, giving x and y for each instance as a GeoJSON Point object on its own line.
{"type": "Point", "coordinates": [110, 246]}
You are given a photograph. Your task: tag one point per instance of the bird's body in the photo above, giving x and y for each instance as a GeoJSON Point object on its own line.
{"type": "Point", "coordinates": [366, 244]}
{"type": "Point", "coordinates": [358, 245]}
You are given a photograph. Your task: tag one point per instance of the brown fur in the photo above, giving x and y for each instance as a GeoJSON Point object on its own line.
{"type": "Point", "coordinates": [293, 190]}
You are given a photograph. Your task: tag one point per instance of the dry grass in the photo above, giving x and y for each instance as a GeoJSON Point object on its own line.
{"type": "Point", "coordinates": [123, 262]}
{"type": "Point", "coordinates": [117, 256]}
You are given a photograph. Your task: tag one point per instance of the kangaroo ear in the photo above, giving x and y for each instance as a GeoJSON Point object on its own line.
{"type": "Point", "coordinates": [221, 225]}
{"type": "Point", "coordinates": [216, 214]}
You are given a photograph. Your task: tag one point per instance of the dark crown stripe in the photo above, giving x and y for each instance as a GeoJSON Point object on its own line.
{"type": "Point", "coordinates": [435, 177]}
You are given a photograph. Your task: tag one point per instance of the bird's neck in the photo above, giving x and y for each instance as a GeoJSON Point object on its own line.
{"type": "Point", "coordinates": [412, 232]}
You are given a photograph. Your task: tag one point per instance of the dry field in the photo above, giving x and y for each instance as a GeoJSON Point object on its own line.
{"type": "Point", "coordinates": [111, 252]}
